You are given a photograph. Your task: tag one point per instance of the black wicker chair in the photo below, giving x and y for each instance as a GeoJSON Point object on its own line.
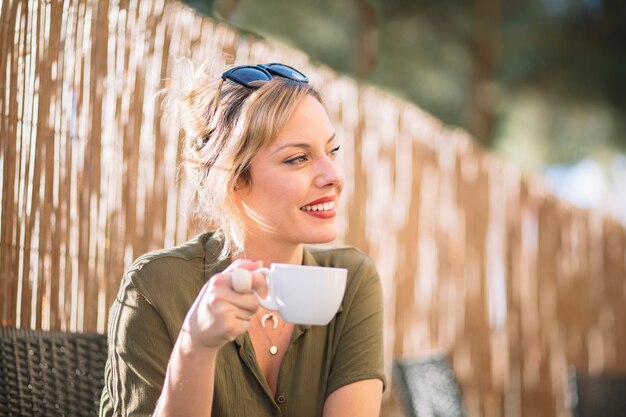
{"type": "Point", "coordinates": [52, 373]}
{"type": "Point", "coordinates": [596, 395]}
{"type": "Point", "coordinates": [428, 387]}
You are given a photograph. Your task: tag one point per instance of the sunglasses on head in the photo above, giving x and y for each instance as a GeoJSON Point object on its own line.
{"type": "Point", "coordinates": [255, 76]}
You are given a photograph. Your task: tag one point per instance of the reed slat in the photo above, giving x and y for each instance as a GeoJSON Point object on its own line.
{"type": "Point", "coordinates": [475, 259]}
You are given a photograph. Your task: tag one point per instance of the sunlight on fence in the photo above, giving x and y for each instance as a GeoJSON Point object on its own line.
{"type": "Point", "coordinates": [475, 260]}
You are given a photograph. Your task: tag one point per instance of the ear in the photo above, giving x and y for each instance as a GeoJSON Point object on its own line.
{"type": "Point", "coordinates": [242, 184]}
{"type": "Point", "coordinates": [239, 189]}
{"type": "Point", "coordinates": [236, 194]}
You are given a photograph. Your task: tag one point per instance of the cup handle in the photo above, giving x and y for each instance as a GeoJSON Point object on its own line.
{"type": "Point", "coordinates": [269, 302]}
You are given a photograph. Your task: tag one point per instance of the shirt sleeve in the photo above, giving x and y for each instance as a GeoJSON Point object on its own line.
{"type": "Point", "coordinates": [359, 354]}
{"type": "Point", "coordinates": [139, 349]}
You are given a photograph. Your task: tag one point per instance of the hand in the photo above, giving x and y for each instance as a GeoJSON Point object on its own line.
{"type": "Point", "coordinates": [220, 314]}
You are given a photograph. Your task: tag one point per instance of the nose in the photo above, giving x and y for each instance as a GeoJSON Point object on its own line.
{"type": "Point", "coordinates": [329, 174]}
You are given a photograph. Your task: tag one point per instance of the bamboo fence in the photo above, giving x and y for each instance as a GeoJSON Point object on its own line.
{"type": "Point", "coordinates": [475, 259]}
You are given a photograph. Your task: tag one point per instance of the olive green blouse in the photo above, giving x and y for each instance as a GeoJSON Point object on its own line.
{"type": "Point", "coordinates": [153, 300]}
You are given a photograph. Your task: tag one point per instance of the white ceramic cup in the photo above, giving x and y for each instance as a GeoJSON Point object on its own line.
{"type": "Point", "coordinates": [304, 294]}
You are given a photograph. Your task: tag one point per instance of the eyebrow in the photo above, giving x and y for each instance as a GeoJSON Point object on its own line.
{"type": "Point", "coordinates": [302, 145]}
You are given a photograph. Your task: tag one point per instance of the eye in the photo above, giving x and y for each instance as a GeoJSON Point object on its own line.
{"type": "Point", "coordinates": [333, 152]}
{"type": "Point", "coordinates": [297, 160]}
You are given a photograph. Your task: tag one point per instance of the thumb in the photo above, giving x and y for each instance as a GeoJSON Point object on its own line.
{"type": "Point", "coordinates": [259, 283]}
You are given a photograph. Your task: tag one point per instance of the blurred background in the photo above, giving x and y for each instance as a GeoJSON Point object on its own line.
{"type": "Point", "coordinates": [541, 83]}
{"type": "Point", "coordinates": [477, 258]}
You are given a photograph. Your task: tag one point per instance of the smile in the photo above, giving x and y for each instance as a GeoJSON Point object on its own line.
{"type": "Point", "coordinates": [319, 207]}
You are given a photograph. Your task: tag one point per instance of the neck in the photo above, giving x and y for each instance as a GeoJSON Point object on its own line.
{"type": "Point", "coordinates": [273, 252]}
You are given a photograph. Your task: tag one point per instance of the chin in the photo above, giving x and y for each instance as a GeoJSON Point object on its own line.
{"type": "Point", "coordinates": [321, 237]}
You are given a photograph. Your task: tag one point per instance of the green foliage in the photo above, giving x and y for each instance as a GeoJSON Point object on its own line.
{"type": "Point", "coordinates": [567, 54]}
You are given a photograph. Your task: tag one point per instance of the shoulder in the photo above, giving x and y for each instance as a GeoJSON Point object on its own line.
{"type": "Point", "coordinates": [186, 252]}
{"type": "Point", "coordinates": [163, 269]}
{"type": "Point", "coordinates": [354, 260]}
{"type": "Point", "coordinates": [158, 289]}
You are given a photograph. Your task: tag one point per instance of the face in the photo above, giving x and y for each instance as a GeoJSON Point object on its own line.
{"type": "Point", "coordinates": [295, 182]}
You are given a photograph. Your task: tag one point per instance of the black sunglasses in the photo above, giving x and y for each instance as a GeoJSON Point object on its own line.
{"type": "Point", "coordinates": [254, 76]}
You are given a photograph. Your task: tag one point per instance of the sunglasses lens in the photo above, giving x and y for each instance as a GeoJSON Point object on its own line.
{"type": "Point", "coordinates": [255, 76]}
{"type": "Point", "coordinates": [286, 71]}
{"type": "Point", "coordinates": [248, 76]}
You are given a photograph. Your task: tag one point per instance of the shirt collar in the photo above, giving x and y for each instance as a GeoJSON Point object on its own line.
{"type": "Point", "coordinates": [213, 248]}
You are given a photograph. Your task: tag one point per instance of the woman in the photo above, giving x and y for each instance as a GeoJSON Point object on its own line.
{"type": "Point", "coordinates": [261, 151]}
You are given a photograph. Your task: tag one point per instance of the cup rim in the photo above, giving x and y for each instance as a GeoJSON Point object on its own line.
{"type": "Point", "coordinates": [283, 265]}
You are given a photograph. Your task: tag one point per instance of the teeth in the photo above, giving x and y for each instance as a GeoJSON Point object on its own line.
{"type": "Point", "coordinates": [320, 207]}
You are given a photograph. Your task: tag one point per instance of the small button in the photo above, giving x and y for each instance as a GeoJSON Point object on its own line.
{"type": "Point", "coordinates": [281, 399]}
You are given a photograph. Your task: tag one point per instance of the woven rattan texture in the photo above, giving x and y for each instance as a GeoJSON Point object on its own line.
{"type": "Point", "coordinates": [50, 373]}
{"type": "Point", "coordinates": [428, 387]}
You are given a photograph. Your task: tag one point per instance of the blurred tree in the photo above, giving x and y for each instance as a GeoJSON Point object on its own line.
{"type": "Point", "coordinates": [365, 54]}
{"type": "Point", "coordinates": [471, 64]}
{"type": "Point", "coordinates": [485, 63]}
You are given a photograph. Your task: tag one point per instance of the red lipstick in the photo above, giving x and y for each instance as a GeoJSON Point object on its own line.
{"type": "Point", "coordinates": [315, 208]}
{"type": "Point", "coordinates": [321, 201]}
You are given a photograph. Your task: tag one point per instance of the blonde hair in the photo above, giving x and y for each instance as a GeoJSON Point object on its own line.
{"type": "Point", "coordinates": [221, 138]}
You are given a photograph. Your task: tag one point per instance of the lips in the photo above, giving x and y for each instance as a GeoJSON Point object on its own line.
{"type": "Point", "coordinates": [319, 207]}
{"type": "Point", "coordinates": [323, 208]}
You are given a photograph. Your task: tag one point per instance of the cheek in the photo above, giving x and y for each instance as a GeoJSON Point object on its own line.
{"type": "Point", "coordinates": [274, 189]}
{"type": "Point", "coordinates": [273, 193]}
{"type": "Point", "coordinates": [342, 177]}
{"type": "Point", "coordinates": [279, 185]}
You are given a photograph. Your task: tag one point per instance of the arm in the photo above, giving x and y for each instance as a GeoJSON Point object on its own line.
{"type": "Point", "coordinates": [357, 377]}
{"type": "Point", "coordinates": [141, 355]}
{"type": "Point", "coordinates": [362, 399]}
{"type": "Point", "coordinates": [189, 382]}
{"type": "Point", "coordinates": [139, 348]}
{"type": "Point", "coordinates": [218, 316]}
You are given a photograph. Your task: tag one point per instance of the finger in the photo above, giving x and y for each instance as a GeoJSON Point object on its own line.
{"type": "Point", "coordinates": [241, 280]}
{"type": "Point", "coordinates": [225, 281]}
{"type": "Point", "coordinates": [248, 302]}
{"type": "Point", "coordinates": [231, 322]}
{"type": "Point", "coordinates": [245, 264]}
{"type": "Point", "coordinates": [259, 283]}
{"type": "Point", "coordinates": [224, 292]}
{"type": "Point", "coordinates": [229, 310]}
